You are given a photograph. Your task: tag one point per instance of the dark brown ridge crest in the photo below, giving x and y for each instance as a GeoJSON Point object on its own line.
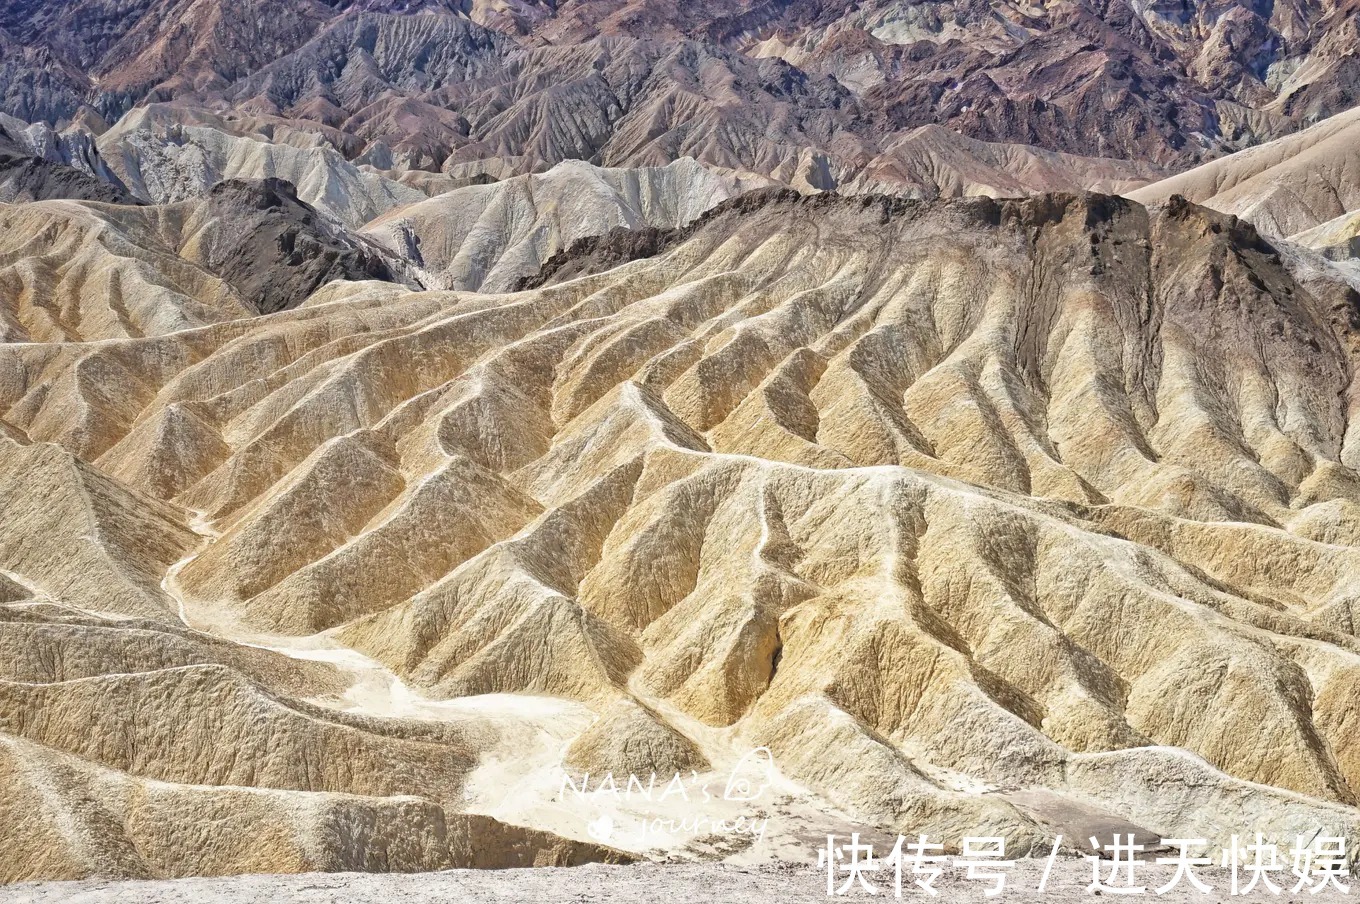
{"type": "Point", "coordinates": [619, 246]}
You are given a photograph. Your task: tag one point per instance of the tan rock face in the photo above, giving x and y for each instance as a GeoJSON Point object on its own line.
{"type": "Point", "coordinates": [84, 271]}
{"type": "Point", "coordinates": [1289, 187]}
{"type": "Point", "coordinates": [946, 504]}
{"type": "Point", "coordinates": [487, 237]}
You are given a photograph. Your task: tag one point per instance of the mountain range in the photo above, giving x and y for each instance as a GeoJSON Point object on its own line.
{"type": "Point", "coordinates": [810, 90]}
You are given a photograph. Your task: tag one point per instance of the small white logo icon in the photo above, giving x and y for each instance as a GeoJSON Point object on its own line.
{"type": "Point", "coordinates": [601, 828]}
{"type": "Point", "coordinates": [751, 776]}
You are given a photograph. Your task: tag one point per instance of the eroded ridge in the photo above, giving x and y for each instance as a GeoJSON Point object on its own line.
{"type": "Point", "coordinates": [947, 504]}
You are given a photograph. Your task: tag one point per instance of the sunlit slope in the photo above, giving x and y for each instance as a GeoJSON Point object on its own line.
{"type": "Point", "coordinates": [939, 501]}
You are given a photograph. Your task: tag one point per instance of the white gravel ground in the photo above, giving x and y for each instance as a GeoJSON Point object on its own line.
{"type": "Point", "coordinates": [644, 884]}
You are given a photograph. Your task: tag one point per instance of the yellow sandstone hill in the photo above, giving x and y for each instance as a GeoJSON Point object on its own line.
{"type": "Point", "coordinates": [954, 506]}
